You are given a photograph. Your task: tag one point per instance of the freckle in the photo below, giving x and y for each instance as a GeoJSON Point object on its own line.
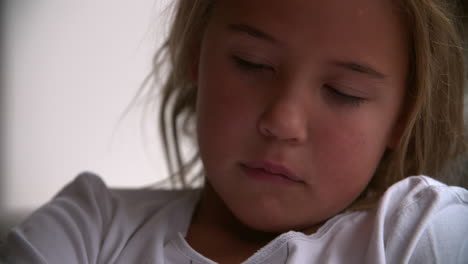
{"type": "Point", "coordinates": [361, 11]}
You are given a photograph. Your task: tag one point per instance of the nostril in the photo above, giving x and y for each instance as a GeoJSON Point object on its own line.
{"type": "Point", "coordinates": [283, 122]}
{"type": "Point", "coordinates": [267, 132]}
{"type": "Point", "coordinates": [284, 135]}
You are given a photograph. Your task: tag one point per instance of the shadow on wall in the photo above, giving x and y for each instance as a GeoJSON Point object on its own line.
{"type": "Point", "coordinates": [2, 113]}
{"type": "Point", "coordinates": [7, 219]}
{"type": "Point", "coordinates": [3, 220]}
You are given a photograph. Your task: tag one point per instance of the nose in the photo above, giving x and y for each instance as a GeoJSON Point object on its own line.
{"type": "Point", "coordinates": [285, 120]}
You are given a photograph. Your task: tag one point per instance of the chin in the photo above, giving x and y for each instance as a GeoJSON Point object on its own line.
{"type": "Point", "coordinates": [266, 221]}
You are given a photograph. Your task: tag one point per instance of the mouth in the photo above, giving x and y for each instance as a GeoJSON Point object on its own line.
{"type": "Point", "coordinates": [270, 171]}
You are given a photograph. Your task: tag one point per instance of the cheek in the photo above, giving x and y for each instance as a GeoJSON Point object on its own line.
{"type": "Point", "coordinates": [224, 113]}
{"type": "Point", "coordinates": [350, 150]}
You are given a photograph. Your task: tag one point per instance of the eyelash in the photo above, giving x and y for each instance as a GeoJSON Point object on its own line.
{"type": "Point", "coordinates": [344, 98]}
{"type": "Point", "coordinates": [251, 66]}
{"type": "Point", "coordinates": [339, 96]}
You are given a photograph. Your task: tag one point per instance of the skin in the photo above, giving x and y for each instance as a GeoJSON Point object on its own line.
{"type": "Point", "coordinates": [299, 101]}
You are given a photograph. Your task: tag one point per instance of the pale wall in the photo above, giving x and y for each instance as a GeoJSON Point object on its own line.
{"type": "Point", "coordinates": [69, 69]}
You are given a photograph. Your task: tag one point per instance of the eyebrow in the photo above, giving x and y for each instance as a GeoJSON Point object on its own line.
{"type": "Point", "coordinates": [360, 68]}
{"type": "Point", "coordinates": [349, 65]}
{"type": "Point", "coordinates": [253, 32]}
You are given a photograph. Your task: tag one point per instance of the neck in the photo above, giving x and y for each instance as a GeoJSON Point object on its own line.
{"type": "Point", "coordinates": [214, 229]}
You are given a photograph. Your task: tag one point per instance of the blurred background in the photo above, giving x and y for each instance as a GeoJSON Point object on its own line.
{"type": "Point", "coordinates": [69, 70]}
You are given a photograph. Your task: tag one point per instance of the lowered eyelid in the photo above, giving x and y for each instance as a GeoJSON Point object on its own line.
{"type": "Point", "coordinates": [350, 89]}
{"type": "Point", "coordinates": [254, 58]}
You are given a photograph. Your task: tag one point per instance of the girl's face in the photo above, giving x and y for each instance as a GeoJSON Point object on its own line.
{"type": "Point", "coordinates": [297, 101]}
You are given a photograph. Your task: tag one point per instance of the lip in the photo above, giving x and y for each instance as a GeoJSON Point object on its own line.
{"type": "Point", "coordinates": [264, 167]}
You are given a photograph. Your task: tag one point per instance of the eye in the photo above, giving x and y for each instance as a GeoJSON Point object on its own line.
{"type": "Point", "coordinates": [251, 66]}
{"type": "Point", "coordinates": [344, 98]}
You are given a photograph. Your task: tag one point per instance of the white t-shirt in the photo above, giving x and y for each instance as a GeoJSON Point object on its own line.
{"type": "Point", "coordinates": [418, 220]}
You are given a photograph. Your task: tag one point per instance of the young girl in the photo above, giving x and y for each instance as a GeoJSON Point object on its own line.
{"type": "Point", "coordinates": [310, 117]}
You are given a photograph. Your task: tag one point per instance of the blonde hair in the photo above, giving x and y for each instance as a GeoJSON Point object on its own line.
{"type": "Point", "coordinates": [433, 132]}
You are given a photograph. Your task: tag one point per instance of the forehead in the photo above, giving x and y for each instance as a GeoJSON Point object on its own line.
{"type": "Point", "coordinates": [371, 30]}
{"type": "Point", "coordinates": [324, 10]}
{"type": "Point", "coordinates": [317, 16]}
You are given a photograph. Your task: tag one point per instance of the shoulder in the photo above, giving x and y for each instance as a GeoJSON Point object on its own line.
{"type": "Point", "coordinates": [417, 194]}
{"type": "Point", "coordinates": [423, 219]}
{"type": "Point", "coordinates": [91, 194]}
{"type": "Point", "coordinates": [88, 194]}
{"type": "Point", "coordinates": [88, 184]}
{"type": "Point", "coordinates": [82, 215]}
